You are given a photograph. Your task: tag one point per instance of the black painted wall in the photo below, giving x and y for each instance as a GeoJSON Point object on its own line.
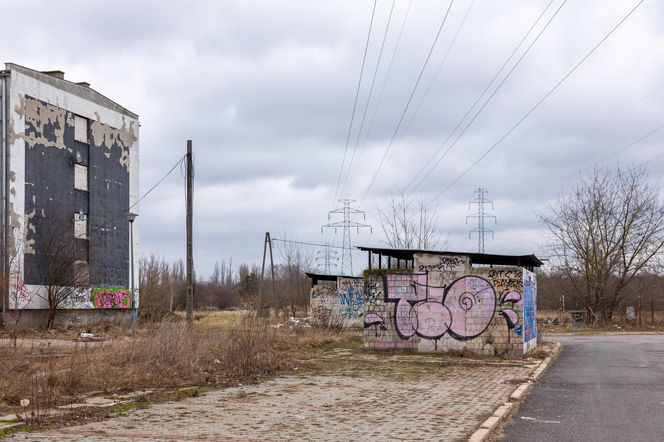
{"type": "Point", "coordinates": [49, 191]}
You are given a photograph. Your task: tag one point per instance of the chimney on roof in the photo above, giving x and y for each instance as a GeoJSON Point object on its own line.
{"type": "Point", "coordinates": [83, 83]}
{"type": "Point", "coordinates": [56, 74]}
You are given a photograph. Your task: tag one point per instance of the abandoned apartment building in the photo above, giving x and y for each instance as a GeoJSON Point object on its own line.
{"type": "Point", "coordinates": [69, 177]}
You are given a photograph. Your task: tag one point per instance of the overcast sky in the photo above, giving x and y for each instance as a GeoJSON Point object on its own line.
{"type": "Point", "coordinates": [266, 91]}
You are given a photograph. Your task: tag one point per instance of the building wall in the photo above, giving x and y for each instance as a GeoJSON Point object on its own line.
{"type": "Point", "coordinates": [444, 304]}
{"type": "Point", "coordinates": [340, 302]}
{"type": "Point", "coordinates": [45, 114]}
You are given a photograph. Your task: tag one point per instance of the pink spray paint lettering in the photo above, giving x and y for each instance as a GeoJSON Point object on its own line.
{"type": "Point", "coordinates": [464, 309]}
{"type": "Point", "coordinates": [111, 298]}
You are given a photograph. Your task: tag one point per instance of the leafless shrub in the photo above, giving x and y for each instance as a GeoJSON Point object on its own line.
{"type": "Point", "coordinates": [606, 233]}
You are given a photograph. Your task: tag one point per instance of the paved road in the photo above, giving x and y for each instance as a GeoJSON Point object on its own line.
{"type": "Point", "coordinates": [603, 388]}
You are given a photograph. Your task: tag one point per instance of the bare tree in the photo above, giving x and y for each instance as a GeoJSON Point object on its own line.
{"type": "Point", "coordinates": [292, 284]}
{"type": "Point", "coordinates": [604, 234]}
{"type": "Point", "coordinates": [62, 271]}
{"type": "Point", "coordinates": [248, 284]}
{"type": "Point", "coordinates": [408, 224]}
{"type": "Point", "coordinates": [155, 283]}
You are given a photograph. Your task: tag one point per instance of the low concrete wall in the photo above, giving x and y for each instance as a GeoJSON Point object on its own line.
{"type": "Point", "coordinates": [69, 317]}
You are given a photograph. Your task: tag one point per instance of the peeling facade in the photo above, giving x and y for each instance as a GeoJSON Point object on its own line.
{"type": "Point", "coordinates": [70, 171]}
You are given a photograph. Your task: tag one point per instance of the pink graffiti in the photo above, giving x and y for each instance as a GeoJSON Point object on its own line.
{"type": "Point", "coordinates": [464, 309]}
{"type": "Point", "coordinates": [22, 291]}
{"type": "Point", "coordinates": [509, 314]}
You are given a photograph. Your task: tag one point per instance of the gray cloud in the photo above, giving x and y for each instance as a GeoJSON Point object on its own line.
{"type": "Point", "coordinates": [265, 90]}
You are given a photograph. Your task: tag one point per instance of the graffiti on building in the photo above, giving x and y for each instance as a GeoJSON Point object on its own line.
{"type": "Point", "coordinates": [442, 270]}
{"type": "Point", "coordinates": [110, 298]}
{"type": "Point", "coordinates": [21, 292]}
{"type": "Point", "coordinates": [463, 309]}
{"type": "Point", "coordinates": [80, 299]}
{"type": "Point", "coordinates": [529, 311]}
{"type": "Point", "coordinates": [373, 292]}
{"type": "Point", "coordinates": [376, 321]}
{"type": "Point", "coordinates": [321, 314]}
{"type": "Point", "coordinates": [510, 301]}
{"type": "Point", "coordinates": [506, 279]}
{"type": "Point", "coordinates": [351, 297]}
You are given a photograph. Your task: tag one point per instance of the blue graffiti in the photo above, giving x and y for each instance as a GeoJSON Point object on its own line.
{"type": "Point", "coordinates": [352, 302]}
{"type": "Point", "coordinates": [518, 330]}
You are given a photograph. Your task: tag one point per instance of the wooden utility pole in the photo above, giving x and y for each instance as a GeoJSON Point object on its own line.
{"type": "Point", "coordinates": [190, 257]}
{"type": "Point", "coordinates": [261, 301]}
{"type": "Point", "coordinates": [274, 291]}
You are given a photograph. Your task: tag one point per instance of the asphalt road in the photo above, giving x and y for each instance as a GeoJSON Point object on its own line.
{"type": "Point", "coordinates": [602, 388]}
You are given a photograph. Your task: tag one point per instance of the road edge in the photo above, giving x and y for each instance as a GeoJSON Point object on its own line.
{"type": "Point", "coordinates": [520, 392]}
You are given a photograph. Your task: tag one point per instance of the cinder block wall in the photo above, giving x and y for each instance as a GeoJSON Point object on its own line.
{"type": "Point", "coordinates": [340, 302]}
{"type": "Point", "coordinates": [446, 304]}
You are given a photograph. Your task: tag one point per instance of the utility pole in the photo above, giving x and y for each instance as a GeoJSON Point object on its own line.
{"type": "Point", "coordinates": [328, 255]}
{"type": "Point", "coordinates": [481, 201]}
{"type": "Point", "coordinates": [346, 224]}
{"type": "Point", "coordinates": [190, 252]}
{"type": "Point", "coordinates": [262, 311]}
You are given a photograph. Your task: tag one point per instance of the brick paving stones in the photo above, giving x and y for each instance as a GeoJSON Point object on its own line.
{"type": "Point", "coordinates": [437, 402]}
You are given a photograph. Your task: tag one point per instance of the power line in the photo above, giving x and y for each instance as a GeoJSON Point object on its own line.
{"type": "Point", "coordinates": [141, 198]}
{"type": "Point", "coordinates": [440, 66]}
{"type": "Point", "coordinates": [306, 243]}
{"type": "Point", "coordinates": [357, 94]}
{"type": "Point", "coordinates": [432, 166]}
{"type": "Point", "coordinates": [366, 107]}
{"type": "Point", "coordinates": [410, 99]}
{"type": "Point", "coordinates": [387, 76]}
{"type": "Point", "coordinates": [614, 153]}
{"type": "Point", "coordinates": [532, 109]}
{"type": "Point", "coordinates": [657, 157]}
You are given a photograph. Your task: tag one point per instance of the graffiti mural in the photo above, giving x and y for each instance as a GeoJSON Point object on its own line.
{"type": "Point", "coordinates": [351, 297]}
{"type": "Point", "coordinates": [463, 310]}
{"type": "Point", "coordinates": [340, 302]}
{"type": "Point", "coordinates": [529, 311]}
{"type": "Point", "coordinates": [447, 304]}
{"type": "Point", "coordinates": [110, 298]}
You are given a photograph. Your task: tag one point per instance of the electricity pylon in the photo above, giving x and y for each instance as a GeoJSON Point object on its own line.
{"type": "Point", "coordinates": [481, 216]}
{"type": "Point", "coordinates": [346, 224]}
{"type": "Point", "coordinates": [327, 255]}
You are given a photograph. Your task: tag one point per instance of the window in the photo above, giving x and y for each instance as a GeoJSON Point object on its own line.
{"type": "Point", "coordinates": [81, 274]}
{"type": "Point", "coordinates": [80, 177]}
{"type": "Point", "coordinates": [81, 129]}
{"type": "Point", "coordinates": [80, 225]}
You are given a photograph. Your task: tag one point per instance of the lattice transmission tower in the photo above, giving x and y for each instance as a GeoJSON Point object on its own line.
{"type": "Point", "coordinates": [347, 224]}
{"type": "Point", "coordinates": [327, 256]}
{"type": "Point", "coordinates": [481, 202]}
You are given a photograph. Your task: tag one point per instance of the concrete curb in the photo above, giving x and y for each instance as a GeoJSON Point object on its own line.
{"type": "Point", "coordinates": [4, 426]}
{"type": "Point", "coordinates": [483, 432]}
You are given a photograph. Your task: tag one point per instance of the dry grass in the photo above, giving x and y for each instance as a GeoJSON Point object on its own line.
{"type": "Point", "coordinates": [551, 322]}
{"type": "Point", "coordinates": [222, 349]}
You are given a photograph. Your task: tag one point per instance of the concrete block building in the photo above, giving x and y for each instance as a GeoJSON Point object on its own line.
{"type": "Point", "coordinates": [69, 166]}
{"type": "Point", "coordinates": [336, 300]}
{"type": "Point", "coordinates": [439, 301]}
{"type": "Point", "coordinates": [429, 300]}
